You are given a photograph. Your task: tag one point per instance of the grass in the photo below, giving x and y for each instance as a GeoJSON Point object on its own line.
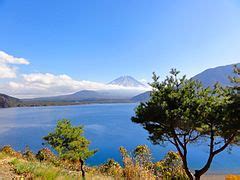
{"type": "Point", "coordinates": [3, 155]}
{"type": "Point", "coordinates": [32, 168]}
{"type": "Point", "coordinates": [39, 170]}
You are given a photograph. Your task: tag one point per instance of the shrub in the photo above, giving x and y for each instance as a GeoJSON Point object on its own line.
{"type": "Point", "coordinates": [170, 167]}
{"type": "Point", "coordinates": [46, 154]}
{"type": "Point", "coordinates": [21, 168]}
{"type": "Point", "coordinates": [133, 170]}
{"type": "Point", "coordinates": [9, 151]}
{"type": "Point", "coordinates": [111, 168]}
{"type": "Point", "coordinates": [28, 154]}
{"type": "Point", "coordinates": [142, 156]}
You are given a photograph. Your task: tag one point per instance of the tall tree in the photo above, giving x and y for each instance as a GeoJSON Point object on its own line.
{"type": "Point", "coordinates": [70, 143]}
{"type": "Point", "coordinates": [181, 111]}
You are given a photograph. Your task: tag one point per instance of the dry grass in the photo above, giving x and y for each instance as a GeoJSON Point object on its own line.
{"type": "Point", "coordinates": [232, 177]}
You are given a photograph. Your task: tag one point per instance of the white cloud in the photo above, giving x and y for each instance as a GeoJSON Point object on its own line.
{"type": "Point", "coordinates": [8, 65]}
{"type": "Point", "coordinates": [47, 84]}
{"type": "Point", "coordinates": [7, 71]}
{"type": "Point", "coordinates": [9, 59]}
{"type": "Point", "coordinates": [44, 84]}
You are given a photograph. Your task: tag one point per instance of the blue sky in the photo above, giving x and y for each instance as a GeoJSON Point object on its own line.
{"type": "Point", "coordinates": [99, 40]}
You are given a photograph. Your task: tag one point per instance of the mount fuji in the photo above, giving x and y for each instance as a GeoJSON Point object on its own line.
{"type": "Point", "coordinates": [127, 81]}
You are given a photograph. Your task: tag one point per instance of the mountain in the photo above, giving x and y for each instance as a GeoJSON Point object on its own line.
{"type": "Point", "coordinates": [134, 94]}
{"type": "Point", "coordinates": [116, 95]}
{"type": "Point", "coordinates": [8, 101]}
{"type": "Point", "coordinates": [218, 74]}
{"type": "Point", "coordinates": [127, 81]}
{"type": "Point", "coordinates": [78, 96]}
{"type": "Point", "coordinates": [208, 78]}
{"type": "Point", "coordinates": [89, 96]}
{"type": "Point", "coordinates": [143, 97]}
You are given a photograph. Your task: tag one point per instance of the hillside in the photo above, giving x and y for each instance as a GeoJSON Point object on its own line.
{"type": "Point", "coordinates": [8, 101]}
{"type": "Point", "coordinates": [218, 74]}
{"type": "Point", "coordinates": [141, 97]}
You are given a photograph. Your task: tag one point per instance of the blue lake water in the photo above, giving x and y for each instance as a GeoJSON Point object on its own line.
{"type": "Point", "coordinates": [107, 126]}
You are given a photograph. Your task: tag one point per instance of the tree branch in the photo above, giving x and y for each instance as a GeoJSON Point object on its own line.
{"type": "Point", "coordinates": [225, 145]}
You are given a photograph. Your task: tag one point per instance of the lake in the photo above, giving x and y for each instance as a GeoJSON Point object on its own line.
{"type": "Point", "coordinates": [107, 126]}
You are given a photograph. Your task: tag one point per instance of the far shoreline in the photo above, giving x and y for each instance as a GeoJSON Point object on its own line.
{"type": "Point", "coordinates": [58, 104]}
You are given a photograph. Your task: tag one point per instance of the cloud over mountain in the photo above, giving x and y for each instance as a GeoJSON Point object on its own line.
{"type": "Point", "coordinates": [45, 84]}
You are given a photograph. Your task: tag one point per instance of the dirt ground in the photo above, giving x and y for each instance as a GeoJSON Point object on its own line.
{"type": "Point", "coordinates": [6, 171]}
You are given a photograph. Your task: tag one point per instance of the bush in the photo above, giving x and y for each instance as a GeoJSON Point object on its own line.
{"type": "Point", "coordinates": [46, 154]}
{"type": "Point", "coordinates": [142, 156]}
{"type": "Point", "coordinates": [170, 167]}
{"type": "Point", "coordinates": [28, 154]}
{"type": "Point", "coordinates": [111, 168]}
{"type": "Point", "coordinates": [9, 151]}
{"type": "Point", "coordinates": [133, 170]}
{"type": "Point", "coordinates": [21, 168]}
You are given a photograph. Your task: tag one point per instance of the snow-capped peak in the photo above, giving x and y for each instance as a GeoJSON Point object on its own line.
{"type": "Point", "coordinates": [127, 81]}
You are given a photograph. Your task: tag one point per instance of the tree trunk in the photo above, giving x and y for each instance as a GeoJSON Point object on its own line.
{"type": "Point", "coordinates": [197, 177]}
{"type": "Point", "coordinates": [186, 169]}
{"type": "Point", "coordinates": [81, 167]}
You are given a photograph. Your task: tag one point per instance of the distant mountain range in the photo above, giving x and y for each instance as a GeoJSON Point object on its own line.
{"type": "Point", "coordinates": [122, 94]}
{"type": "Point", "coordinates": [208, 77]}
{"type": "Point", "coordinates": [88, 96]}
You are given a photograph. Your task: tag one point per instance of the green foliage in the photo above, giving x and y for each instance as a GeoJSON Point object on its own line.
{"type": "Point", "coordinates": [22, 168]}
{"type": "Point", "coordinates": [181, 111]}
{"type": "Point", "coordinates": [234, 108]}
{"type": "Point", "coordinates": [170, 167]}
{"type": "Point", "coordinates": [69, 141]}
{"type": "Point", "coordinates": [35, 170]}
